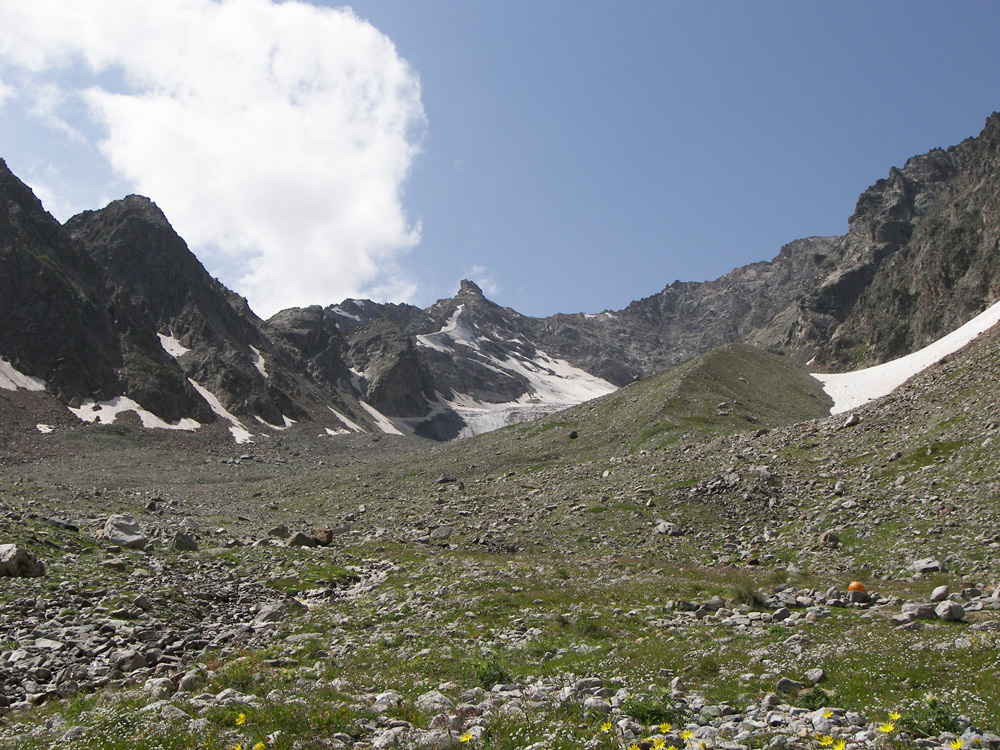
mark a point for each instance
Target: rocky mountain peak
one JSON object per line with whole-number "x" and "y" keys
{"x": 469, "y": 287}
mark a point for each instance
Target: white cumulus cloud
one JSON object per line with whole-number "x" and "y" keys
{"x": 276, "y": 137}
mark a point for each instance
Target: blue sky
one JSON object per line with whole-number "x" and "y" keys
{"x": 569, "y": 156}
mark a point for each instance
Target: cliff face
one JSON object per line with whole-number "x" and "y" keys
{"x": 49, "y": 287}
{"x": 922, "y": 257}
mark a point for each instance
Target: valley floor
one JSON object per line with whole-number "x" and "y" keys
{"x": 572, "y": 582}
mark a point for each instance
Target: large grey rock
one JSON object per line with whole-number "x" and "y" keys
{"x": 950, "y": 611}
{"x": 125, "y": 532}
{"x": 185, "y": 542}
{"x": 927, "y": 565}
{"x": 159, "y": 688}
{"x": 386, "y": 701}
{"x": 434, "y": 702}
{"x": 919, "y": 611}
{"x": 17, "y": 562}
{"x": 278, "y": 611}
{"x": 939, "y": 594}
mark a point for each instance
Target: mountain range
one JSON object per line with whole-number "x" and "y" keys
{"x": 110, "y": 317}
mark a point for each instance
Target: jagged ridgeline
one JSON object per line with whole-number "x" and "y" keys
{"x": 119, "y": 320}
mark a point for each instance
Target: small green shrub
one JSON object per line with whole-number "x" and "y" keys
{"x": 655, "y": 708}
{"x": 490, "y": 672}
{"x": 929, "y": 719}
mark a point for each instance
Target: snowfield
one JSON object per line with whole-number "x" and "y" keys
{"x": 106, "y": 412}
{"x": 850, "y": 390}
{"x": 11, "y": 379}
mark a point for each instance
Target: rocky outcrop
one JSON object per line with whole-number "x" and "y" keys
{"x": 920, "y": 259}
{"x": 51, "y": 289}
{"x": 391, "y": 377}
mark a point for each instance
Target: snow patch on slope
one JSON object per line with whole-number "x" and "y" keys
{"x": 258, "y": 361}
{"x": 11, "y": 379}
{"x": 172, "y": 346}
{"x": 107, "y": 411}
{"x": 454, "y": 331}
{"x": 240, "y": 433}
{"x": 384, "y": 423}
{"x": 852, "y": 389}
{"x": 351, "y": 425}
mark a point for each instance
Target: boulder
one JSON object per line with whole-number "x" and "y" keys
{"x": 278, "y": 611}
{"x": 125, "y": 532}
{"x": 434, "y": 702}
{"x": 184, "y": 542}
{"x": 918, "y": 611}
{"x": 927, "y": 565}
{"x": 950, "y": 611}
{"x": 670, "y": 529}
{"x": 17, "y": 562}
{"x": 300, "y": 539}
{"x": 939, "y": 594}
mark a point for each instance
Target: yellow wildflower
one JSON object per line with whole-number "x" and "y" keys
{"x": 887, "y": 728}
{"x": 241, "y": 719}
{"x": 659, "y": 743}
{"x": 686, "y": 734}
{"x": 606, "y": 726}
{"x": 828, "y": 714}
{"x": 840, "y": 744}
{"x": 895, "y": 716}
{"x": 956, "y": 744}
{"x": 466, "y": 737}
{"x": 825, "y": 740}
{"x": 260, "y": 746}
{"x": 634, "y": 746}
{"x": 665, "y": 727}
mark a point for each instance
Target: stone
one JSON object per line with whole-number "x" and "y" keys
{"x": 928, "y": 565}
{"x": 441, "y": 532}
{"x": 668, "y": 528}
{"x": 939, "y": 594}
{"x": 786, "y": 685}
{"x": 172, "y": 713}
{"x": 950, "y": 611}
{"x": 323, "y": 537}
{"x": 128, "y": 660}
{"x": 301, "y": 539}
{"x": 387, "y": 701}
{"x": 434, "y": 702}
{"x": 815, "y": 676}
{"x": 597, "y": 705}
{"x": 278, "y": 611}
{"x": 159, "y": 688}
{"x": 919, "y": 611}
{"x": 17, "y": 562}
{"x": 184, "y": 542}
{"x": 125, "y": 532}
{"x": 280, "y": 531}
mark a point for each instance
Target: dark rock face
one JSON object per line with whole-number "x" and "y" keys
{"x": 922, "y": 257}
{"x": 392, "y": 380}
{"x": 133, "y": 241}
{"x": 50, "y": 288}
